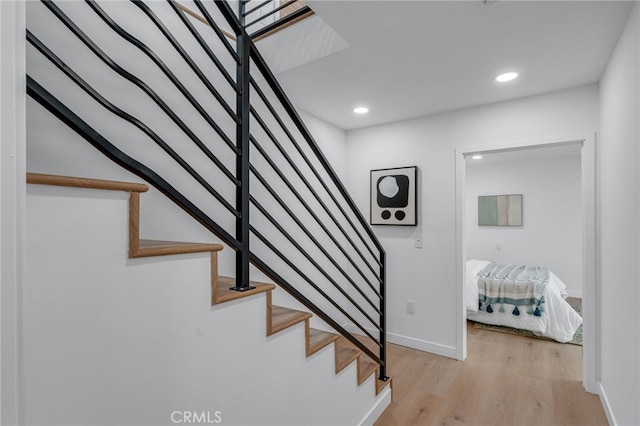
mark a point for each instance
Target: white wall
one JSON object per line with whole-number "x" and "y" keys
{"x": 551, "y": 233}
{"x": 331, "y": 139}
{"x": 428, "y": 275}
{"x": 619, "y": 183}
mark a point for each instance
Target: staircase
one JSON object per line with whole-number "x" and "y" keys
{"x": 176, "y": 94}
{"x": 278, "y": 318}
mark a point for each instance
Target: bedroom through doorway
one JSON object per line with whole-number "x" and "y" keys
{"x": 529, "y": 205}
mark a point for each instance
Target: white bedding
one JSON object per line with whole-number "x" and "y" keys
{"x": 559, "y": 321}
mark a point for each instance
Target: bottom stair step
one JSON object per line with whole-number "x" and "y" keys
{"x": 381, "y": 384}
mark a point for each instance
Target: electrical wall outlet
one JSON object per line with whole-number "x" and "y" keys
{"x": 418, "y": 242}
{"x": 411, "y": 307}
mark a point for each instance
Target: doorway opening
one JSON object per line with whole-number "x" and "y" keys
{"x": 543, "y": 231}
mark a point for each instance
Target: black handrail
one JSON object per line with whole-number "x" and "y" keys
{"x": 356, "y": 244}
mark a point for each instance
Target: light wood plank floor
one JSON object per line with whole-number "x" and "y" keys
{"x": 506, "y": 380}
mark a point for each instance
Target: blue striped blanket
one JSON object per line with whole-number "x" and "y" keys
{"x": 510, "y": 284}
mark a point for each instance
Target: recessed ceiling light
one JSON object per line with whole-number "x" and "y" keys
{"x": 361, "y": 110}
{"x": 508, "y": 76}
{"x": 476, "y": 157}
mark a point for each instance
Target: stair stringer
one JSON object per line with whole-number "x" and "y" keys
{"x": 112, "y": 340}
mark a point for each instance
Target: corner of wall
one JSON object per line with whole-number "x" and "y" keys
{"x": 12, "y": 201}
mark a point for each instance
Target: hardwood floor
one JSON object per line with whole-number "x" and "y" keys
{"x": 506, "y": 380}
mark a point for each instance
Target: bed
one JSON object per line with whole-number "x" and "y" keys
{"x": 550, "y": 316}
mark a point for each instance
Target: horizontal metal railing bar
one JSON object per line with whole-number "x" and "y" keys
{"x": 310, "y": 259}
{"x": 282, "y": 22}
{"x": 291, "y": 111}
{"x": 68, "y": 117}
{"x": 139, "y": 83}
{"x": 228, "y": 14}
{"x": 297, "y": 270}
{"x": 167, "y": 34}
{"x": 304, "y": 179}
{"x": 276, "y": 197}
{"x": 277, "y": 9}
{"x": 207, "y": 49}
{"x": 33, "y": 40}
{"x": 253, "y": 9}
{"x": 230, "y": 19}
{"x": 176, "y": 82}
{"x": 315, "y": 216}
{"x": 199, "y": 17}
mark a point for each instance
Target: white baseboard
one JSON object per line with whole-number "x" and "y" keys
{"x": 410, "y": 342}
{"x": 423, "y": 345}
{"x": 383, "y": 401}
{"x": 606, "y": 406}
{"x": 575, "y": 293}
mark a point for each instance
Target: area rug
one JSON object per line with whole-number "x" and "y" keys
{"x": 577, "y": 338}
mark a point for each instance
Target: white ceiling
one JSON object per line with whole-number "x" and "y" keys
{"x": 407, "y": 59}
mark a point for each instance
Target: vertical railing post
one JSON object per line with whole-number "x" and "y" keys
{"x": 383, "y": 321}
{"x": 242, "y": 159}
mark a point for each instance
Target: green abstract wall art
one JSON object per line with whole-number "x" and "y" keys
{"x": 500, "y": 210}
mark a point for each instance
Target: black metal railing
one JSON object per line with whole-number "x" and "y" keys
{"x": 252, "y": 174}
{"x": 263, "y": 17}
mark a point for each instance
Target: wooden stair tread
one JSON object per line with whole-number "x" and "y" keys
{"x": 87, "y": 183}
{"x": 280, "y": 318}
{"x": 345, "y": 355}
{"x": 222, "y": 292}
{"x": 318, "y": 339}
{"x": 366, "y": 368}
{"x": 148, "y": 248}
{"x": 381, "y": 384}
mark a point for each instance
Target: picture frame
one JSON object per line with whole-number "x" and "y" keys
{"x": 394, "y": 196}
{"x": 500, "y": 210}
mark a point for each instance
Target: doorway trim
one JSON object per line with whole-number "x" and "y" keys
{"x": 590, "y": 262}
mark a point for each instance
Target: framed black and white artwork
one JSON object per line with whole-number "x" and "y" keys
{"x": 394, "y": 196}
